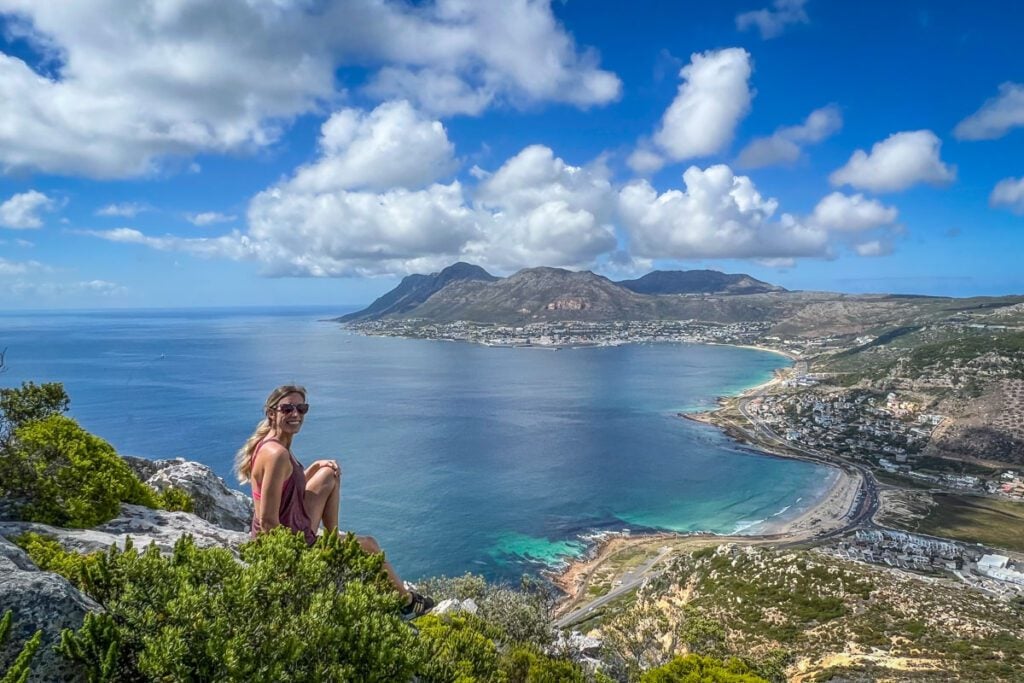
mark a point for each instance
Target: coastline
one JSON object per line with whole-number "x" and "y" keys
{"x": 827, "y": 512}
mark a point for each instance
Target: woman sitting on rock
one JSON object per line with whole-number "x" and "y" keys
{"x": 301, "y": 499}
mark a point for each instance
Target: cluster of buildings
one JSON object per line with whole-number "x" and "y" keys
{"x": 856, "y": 423}
{"x": 578, "y": 333}
{"x": 995, "y": 574}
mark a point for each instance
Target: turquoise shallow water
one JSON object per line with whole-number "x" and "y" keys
{"x": 456, "y": 457}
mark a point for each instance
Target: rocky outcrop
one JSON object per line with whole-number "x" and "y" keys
{"x": 213, "y": 500}
{"x": 39, "y": 600}
{"x": 145, "y": 526}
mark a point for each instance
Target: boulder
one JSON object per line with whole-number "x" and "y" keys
{"x": 451, "y": 606}
{"x": 213, "y": 500}
{"x": 39, "y": 600}
{"x": 143, "y": 524}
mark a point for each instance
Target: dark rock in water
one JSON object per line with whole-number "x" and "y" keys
{"x": 39, "y": 600}
{"x": 213, "y": 500}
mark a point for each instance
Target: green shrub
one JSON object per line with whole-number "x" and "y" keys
{"x": 526, "y": 664}
{"x": 68, "y": 476}
{"x": 29, "y": 403}
{"x": 288, "y": 612}
{"x": 520, "y": 616}
{"x": 48, "y": 555}
{"x": 457, "y": 649}
{"x": 698, "y": 669}
{"x": 174, "y": 499}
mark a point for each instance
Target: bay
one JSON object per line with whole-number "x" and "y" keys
{"x": 456, "y": 457}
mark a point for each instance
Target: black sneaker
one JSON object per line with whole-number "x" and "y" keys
{"x": 417, "y": 606}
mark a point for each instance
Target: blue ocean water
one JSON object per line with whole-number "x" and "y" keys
{"x": 456, "y": 457}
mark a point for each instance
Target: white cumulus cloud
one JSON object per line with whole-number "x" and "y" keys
{"x": 392, "y": 146}
{"x": 8, "y": 267}
{"x": 996, "y": 117}
{"x": 719, "y": 215}
{"x": 896, "y": 163}
{"x": 713, "y": 97}
{"x": 133, "y": 85}
{"x": 21, "y": 212}
{"x": 1008, "y": 193}
{"x": 873, "y": 248}
{"x": 122, "y": 210}
{"x": 205, "y": 218}
{"x": 772, "y": 22}
{"x": 844, "y": 213}
{"x": 784, "y": 145}
{"x": 538, "y": 210}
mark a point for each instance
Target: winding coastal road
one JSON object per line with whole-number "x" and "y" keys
{"x": 629, "y": 581}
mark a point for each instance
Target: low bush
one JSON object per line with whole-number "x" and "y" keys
{"x": 55, "y": 472}
{"x": 698, "y": 669}
{"x": 287, "y": 612}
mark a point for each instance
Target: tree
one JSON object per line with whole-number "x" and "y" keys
{"x": 65, "y": 476}
{"x": 30, "y": 402}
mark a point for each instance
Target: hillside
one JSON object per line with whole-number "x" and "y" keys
{"x": 697, "y": 282}
{"x": 825, "y": 618}
{"x": 413, "y": 290}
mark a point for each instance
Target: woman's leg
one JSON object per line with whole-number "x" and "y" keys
{"x": 369, "y": 545}
{"x": 323, "y": 493}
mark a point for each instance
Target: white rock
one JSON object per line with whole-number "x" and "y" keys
{"x": 453, "y": 606}
{"x": 213, "y": 500}
{"x": 144, "y": 525}
{"x": 446, "y": 606}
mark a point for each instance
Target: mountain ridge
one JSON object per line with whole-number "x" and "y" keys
{"x": 467, "y": 292}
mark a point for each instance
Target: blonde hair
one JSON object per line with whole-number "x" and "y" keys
{"x": 243, "y": 458}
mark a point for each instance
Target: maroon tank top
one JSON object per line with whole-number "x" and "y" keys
{"x": 292, "y": 513}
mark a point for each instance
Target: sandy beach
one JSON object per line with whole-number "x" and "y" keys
{"x": 828, "y": 512}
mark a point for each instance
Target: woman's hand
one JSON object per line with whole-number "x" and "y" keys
{"x": 319, "y": 464}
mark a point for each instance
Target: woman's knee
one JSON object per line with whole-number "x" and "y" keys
{"x": 369, "y": 544}
{"x": 326, "y": 479}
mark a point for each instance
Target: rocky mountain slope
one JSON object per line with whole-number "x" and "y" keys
{"x": 697, "y": 282}
{"x": 413, "y": 290}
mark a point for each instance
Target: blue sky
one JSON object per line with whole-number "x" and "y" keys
{"x": 231, "y": 152}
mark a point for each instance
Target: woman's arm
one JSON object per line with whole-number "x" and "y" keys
{"x": 277, "y": 468}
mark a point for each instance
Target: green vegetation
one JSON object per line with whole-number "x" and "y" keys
{"x": 771, "y": 610}
{"x": 289, "y": 612}
{"x": 56, "y": 472}
{"x": 975, "y": 519}
{"x": 698, "y": 669}
{"x": 19, "y": 670}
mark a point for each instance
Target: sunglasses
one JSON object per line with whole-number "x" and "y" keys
{"x": 289, "y": 408}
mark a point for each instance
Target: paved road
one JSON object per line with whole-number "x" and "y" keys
{"x": 629, "y": 581}
{"x": 867, "y": 501}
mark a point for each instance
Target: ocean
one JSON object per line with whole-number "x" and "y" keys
{"x": 456, "y": 457}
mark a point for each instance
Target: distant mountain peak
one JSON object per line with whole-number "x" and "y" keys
{"x": 415, "y": 289}
{"x": 698, "y": 282}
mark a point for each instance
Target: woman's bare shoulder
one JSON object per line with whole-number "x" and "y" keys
{"x": 273, "y": 453}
